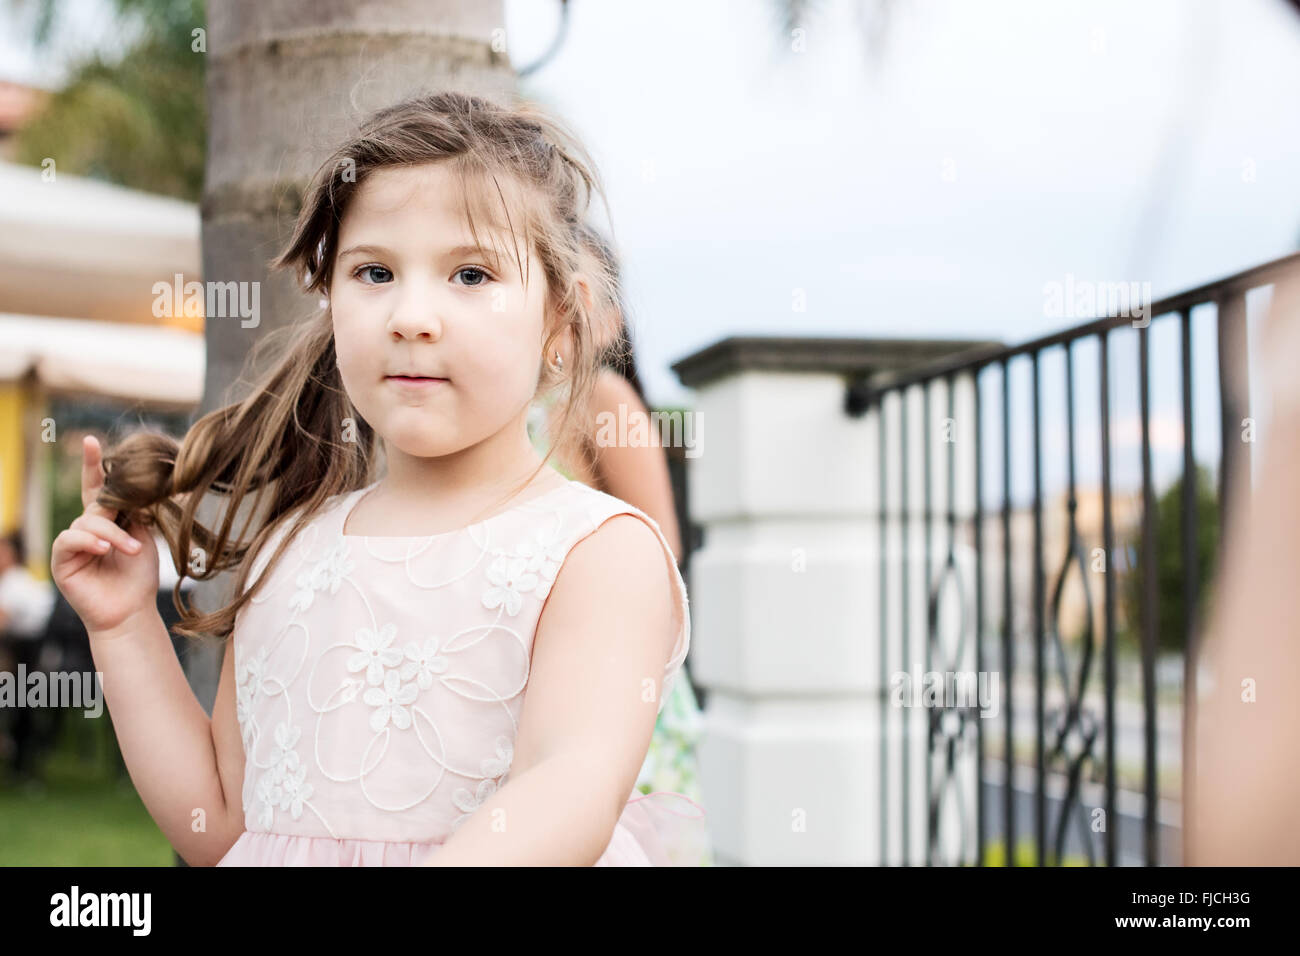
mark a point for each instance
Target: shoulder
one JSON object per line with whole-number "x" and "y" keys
{"x": 619, "y": 550}
{"x": 613, "y": 525}
{"x": 622, "y": 543}
{"x": 612, "y": 390}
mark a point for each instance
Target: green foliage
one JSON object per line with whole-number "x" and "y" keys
{"x": 139, "y": 121}
{"x": 995, "y": 854}
{"x": 1171, "y": 623}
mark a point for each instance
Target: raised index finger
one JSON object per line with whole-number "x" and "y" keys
{"x": 92, "y": 477}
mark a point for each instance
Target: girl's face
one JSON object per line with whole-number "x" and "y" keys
{"x": 411, "y": 296}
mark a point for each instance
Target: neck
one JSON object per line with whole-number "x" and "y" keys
{"x": 499, "y": 465}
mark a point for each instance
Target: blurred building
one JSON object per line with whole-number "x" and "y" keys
{"x": 79, "y": 263}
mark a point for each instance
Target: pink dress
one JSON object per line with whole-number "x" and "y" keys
{"x": 380, "y": 680}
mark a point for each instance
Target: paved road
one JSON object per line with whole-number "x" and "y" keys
{"x": 1130, "y": 839}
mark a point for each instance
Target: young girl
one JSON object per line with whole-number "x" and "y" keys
{"x": 457, "y": 658}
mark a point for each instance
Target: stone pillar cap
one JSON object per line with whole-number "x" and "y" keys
{"x": 851, "y": 357}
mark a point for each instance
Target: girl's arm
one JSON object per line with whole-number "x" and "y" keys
{"x": 168, "y": 743}
{"x": 606, "y": 632}
{"x": 109, "y": 575}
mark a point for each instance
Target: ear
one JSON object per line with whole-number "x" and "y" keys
{"x": 564, "y": 345}
{"x": 564, "y": 341}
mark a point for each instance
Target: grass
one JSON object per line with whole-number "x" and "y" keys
{"x": 995, "y": 852}
{"x": 83, "y": 814}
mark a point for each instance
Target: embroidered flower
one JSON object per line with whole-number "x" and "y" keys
{"x": 329, "y": 574}
{"x": 302, "y": 598}
{"x": 295, "y": 791}
{"x": 268, "y": 795}
{"x": 283, "y": 782}
{"x": 492, "y": 767}
{"x": 544, "y": 554}
{"x": 284, "y": 759}
{"x": 511, "y": 579}
{"x": 324, "y": 575}
{"x": 248, "y": 681}
{"x": 244, "y": 707}
{"x": 469, "y": 802}
{"x": 424, "y": 661}
{"x": 390, "y": 703}
{"x": 505, "y": 754}
{"x": 252, "y": 669}
{"x": 375, "y": 654}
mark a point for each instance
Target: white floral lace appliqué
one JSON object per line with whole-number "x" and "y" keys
{"x": 544, "y": 553}
{"x": 391, "y": 702}
{"x": 531, "y": 569}
{"x": 494, "y": 768}
{"x": 284, "y": 782}
{"x": 248, "y": 681}
{"x": 376, "y": 654}
{"x": 324, "y": 575}
{"x": 509, "y": 580}
{"x": 424, "y": 661}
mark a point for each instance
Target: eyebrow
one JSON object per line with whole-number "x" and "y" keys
{"x": 455, "y": 252}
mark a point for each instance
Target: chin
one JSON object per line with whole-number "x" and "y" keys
{"x": 422, "y": 444}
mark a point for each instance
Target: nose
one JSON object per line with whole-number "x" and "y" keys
{"x": 416, "y": 313}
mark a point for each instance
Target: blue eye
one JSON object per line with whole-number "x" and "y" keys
{"x": 358, "y": 272}
{"x": 486, "y": 278}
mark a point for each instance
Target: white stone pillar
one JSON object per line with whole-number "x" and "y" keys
{"x": 785, "y": 588}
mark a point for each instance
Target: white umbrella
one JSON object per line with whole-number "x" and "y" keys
{"x": 80, "y": 247}
{"x": 157, "y": 366}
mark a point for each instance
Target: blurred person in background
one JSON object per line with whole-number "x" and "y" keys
{"x": 25, "y": 606}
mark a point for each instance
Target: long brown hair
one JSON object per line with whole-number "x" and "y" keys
{"x": 618, "y": 355}
{"x": 296, "y": 440}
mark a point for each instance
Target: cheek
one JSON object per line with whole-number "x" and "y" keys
{"x": 353, "y": 356}
{"x": 509, "y": 361}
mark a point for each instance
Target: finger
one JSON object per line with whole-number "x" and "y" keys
{"x": 108, "y": 529}
{"x": 93, "y": 482}
{"x": 102, "y": 527}
{"x": 92, "y": 476}
{"x": 76, "y": 541}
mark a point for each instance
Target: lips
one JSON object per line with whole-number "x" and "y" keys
{"x": 412, "y": 385}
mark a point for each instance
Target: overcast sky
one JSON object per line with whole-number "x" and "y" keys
{"x": 929, "y": 185}
{"x": 994, "y": 148}
{"x": 935, "y": 186}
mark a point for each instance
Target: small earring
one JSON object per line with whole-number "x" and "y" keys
{"x": 559, "y": 362}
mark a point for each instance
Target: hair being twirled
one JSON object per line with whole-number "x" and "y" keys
{"x": 275, "y": 457}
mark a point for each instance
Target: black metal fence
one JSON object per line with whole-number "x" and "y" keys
{"x": 1073, "y": 736}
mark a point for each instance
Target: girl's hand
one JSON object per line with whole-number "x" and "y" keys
{"x": 108, "y": 574}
